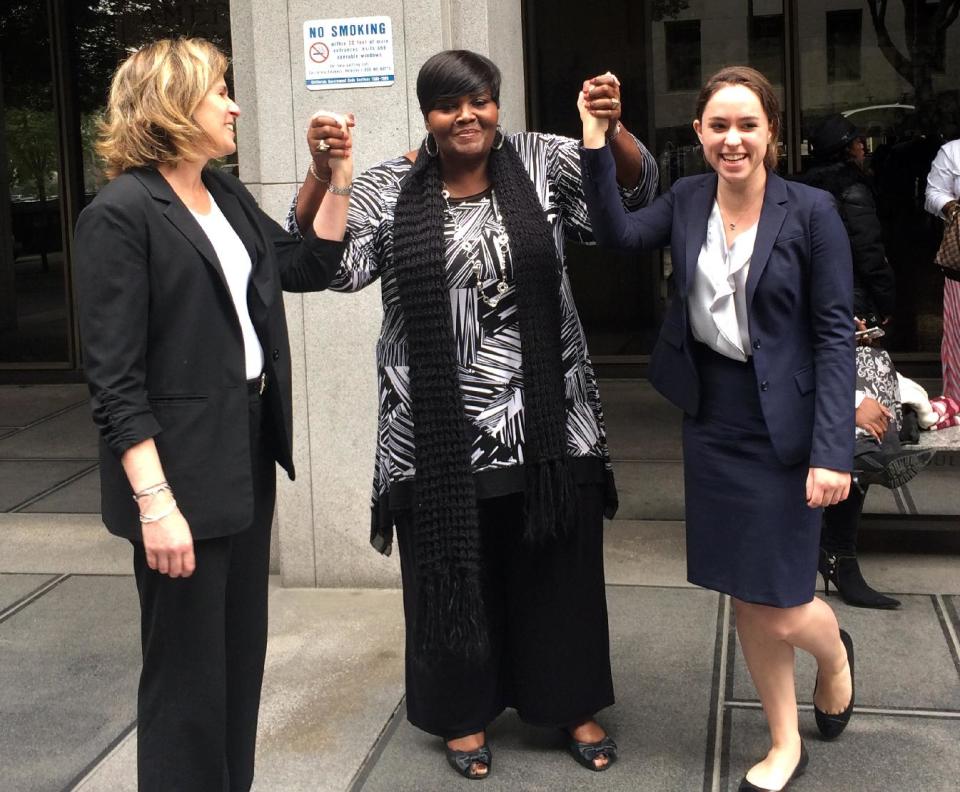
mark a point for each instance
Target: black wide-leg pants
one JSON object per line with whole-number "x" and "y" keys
{"x": 204, "y": 641}
{"x": 547, "y": 614}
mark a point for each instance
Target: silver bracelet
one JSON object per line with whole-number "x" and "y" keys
{"x": 616, "y": 131}
{"x": 146, "y": 519}
{"x": 155, "y": 489}
{"x": 332, "y": 188}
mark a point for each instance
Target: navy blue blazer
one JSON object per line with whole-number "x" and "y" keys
{"x": 799, "y": 303}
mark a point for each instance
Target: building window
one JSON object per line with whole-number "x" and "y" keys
{"x": 844, "y": 35}
{"x": 683, "y": 55}
{"x": 766, "y": 46}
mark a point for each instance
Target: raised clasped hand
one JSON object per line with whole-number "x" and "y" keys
{"x": 601, "y": 97}
{"x": 594, "y": 129}
{"x": 599, "y": 105}
{"x": 826, "y": 487}
{"x": 329, "y": 138}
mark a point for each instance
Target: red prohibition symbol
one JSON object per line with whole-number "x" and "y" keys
{"x": 319, "y": 52}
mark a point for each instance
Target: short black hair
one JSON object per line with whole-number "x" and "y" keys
{"x": 454, "y": 73}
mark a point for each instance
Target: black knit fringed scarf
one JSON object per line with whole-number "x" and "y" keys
{"x": 449, "y": 613}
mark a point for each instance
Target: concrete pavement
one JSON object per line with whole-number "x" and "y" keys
{"x": 332, "y": 715}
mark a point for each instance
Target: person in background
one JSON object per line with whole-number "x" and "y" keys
{"x": 840, "y": 151}
{"x": 757, "y": 349}
{"x": 179, "y": 276}
{"x": 942, "y": 196}
{"x": 492, "y": 460}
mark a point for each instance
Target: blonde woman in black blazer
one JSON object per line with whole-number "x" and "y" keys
{"x": 180, "y": 278}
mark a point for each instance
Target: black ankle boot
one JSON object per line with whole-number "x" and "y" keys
{"x": 844, "y": 572}
{"x": 890, "y": 469}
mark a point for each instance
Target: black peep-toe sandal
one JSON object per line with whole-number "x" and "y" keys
{"x": 585, "y": 753}
{"x": 463, "y": 761}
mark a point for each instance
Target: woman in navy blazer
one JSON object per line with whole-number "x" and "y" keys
{"x": 757, "y": 348}
{"x": 179, "y": 278}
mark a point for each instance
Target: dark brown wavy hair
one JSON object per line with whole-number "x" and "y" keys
{"x": 760, "y": 85}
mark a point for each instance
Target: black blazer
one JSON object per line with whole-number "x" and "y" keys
{"x": 162, "y": 346}
{"x": 799, "y": 303}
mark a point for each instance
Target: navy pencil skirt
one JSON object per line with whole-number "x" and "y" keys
{"x": 750, "y": 533}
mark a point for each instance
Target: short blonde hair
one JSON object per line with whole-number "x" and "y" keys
{"x": 153, "y": 96}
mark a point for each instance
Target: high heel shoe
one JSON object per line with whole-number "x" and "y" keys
{"x": 844, "y": 572}
{"x": 746, "y": 786}
{"x": 831, "y": 726}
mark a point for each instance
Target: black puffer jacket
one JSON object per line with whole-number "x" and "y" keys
{"x": 873, "y": 278}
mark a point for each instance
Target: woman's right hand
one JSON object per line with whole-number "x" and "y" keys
{"x": 873, "y": 417}
{"x": 168, "y": 544}
{"x": 329, "y": 139}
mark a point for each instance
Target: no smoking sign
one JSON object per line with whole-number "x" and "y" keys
{"x": 319, "y": 52}
{"x": 354, "y": 52}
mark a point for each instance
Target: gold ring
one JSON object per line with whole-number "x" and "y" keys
{"x": 614, "y": 103}
{"x": 323, "y": 147}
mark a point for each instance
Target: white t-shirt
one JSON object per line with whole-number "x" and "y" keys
{"x": 236, "y": 265}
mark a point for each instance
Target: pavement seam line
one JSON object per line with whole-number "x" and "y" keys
{"x": 46, "y": 459}
{"x": 34, "y": 595}
{"x": 81, "y": 779}
{"x": 886, "y": 711}
{"x": 44, "y": 418}
{"x": 943, "y": 614}
{"x": 721, "y": 695}
{"x": 379, "y": 746}
{"x": 18, "y": 508}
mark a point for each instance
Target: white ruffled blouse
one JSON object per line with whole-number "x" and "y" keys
{"x": 718, "y": 294}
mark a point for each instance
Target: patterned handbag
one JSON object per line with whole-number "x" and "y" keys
{"x": 948, "y": 256}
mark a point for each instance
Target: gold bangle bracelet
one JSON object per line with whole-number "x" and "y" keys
{"x": 313, "y": 172}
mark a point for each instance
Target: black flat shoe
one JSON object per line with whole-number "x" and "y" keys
{"x": 585, "y": 753}
{"x": 844, "y": 572}
{"x": 746, "y": 786}
{"x": 463, "y": 761}
{"x": 831, "y": 726}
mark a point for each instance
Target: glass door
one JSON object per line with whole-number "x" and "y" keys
{"x": 892, "y": 69}
{"x": 35, "y": 316}
{"x": 662, "y": 50}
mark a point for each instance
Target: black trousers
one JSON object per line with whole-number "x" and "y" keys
{"x": 204, "y": 640}
{"x": 547, "y": 614}
{"x": 838, "y": 533}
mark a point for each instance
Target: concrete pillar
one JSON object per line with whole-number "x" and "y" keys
{"x": 324, "y": 516}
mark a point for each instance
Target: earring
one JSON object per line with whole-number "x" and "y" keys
{"x": 498, "y": 142}
{"x": 426, "y": 145}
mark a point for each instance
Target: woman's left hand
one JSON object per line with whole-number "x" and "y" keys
{"x": 601, "y": 96}
{"x": 826, "y": 487}
{"x": 594, "y": 129}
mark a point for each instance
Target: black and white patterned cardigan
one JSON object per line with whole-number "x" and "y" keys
{"x": 488, "y": 338}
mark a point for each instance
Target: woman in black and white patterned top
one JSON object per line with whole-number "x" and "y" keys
{"x": 492, "y": 461}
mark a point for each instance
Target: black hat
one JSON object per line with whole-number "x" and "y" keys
{"x": 833, "y": 136}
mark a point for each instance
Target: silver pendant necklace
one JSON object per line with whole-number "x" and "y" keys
{"x": 501, "y": 240}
